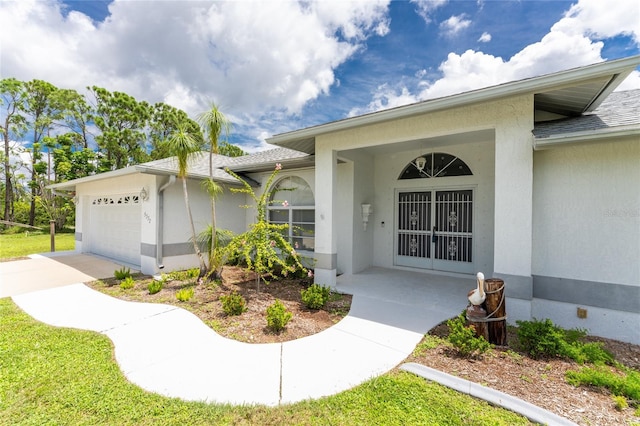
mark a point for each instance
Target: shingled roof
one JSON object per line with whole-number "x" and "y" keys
{"x": 620, "y": 109}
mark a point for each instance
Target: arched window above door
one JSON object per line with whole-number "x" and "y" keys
{"x": 434, "y": 165}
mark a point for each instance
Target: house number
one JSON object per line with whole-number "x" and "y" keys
{"x": 146, "y": 216}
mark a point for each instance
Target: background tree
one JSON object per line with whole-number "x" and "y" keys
{"x": 41, "y": 107}
{"x": 122, "y": 121}
{"x": 230, "y": 150}
{"x": 13, "y": 123}
{"x": 162, "y": 124}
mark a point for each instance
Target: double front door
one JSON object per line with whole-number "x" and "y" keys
{"x": 434, "y": 230}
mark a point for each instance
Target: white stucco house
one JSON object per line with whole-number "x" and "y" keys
{"x": 535, "y": 181}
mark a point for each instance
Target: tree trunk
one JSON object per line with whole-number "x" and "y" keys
{"x": 203, "y": 267}
{"x": 496, "y": 309}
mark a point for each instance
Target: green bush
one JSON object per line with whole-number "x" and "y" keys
{"x": 154, "y": 286}
{"x": 233, "y": 304}
{"x": 541, "y": 338}
{"x": 620, "y": 402}
{"x": 316, "y": 296}
{"x": 627, "y": 385}
{"x": 278, "y": 316}
{"x": 544, "y": 339}
{"x": 127, "y": 283}
{"x": 464, "y": 338}
{"x": 184, "y": 294}
{"x": 122, "y": 273}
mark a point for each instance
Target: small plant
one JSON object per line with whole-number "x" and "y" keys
{"x": 122, "y": 273}
{"x": 233, "y": 304}
{"x": 428, "y": 342}
{"x": 626, "y": 385}
{"x": 278, "y": 316}
{"x": 620, "y": 402}
{"x": 464, "y": 338}
{"x": 184, "y": 275}
{"x": 127, "y": 283}
{"x": 155, "y": 286}
{"x": 316, "y": 296}
{"x": 184, "y": 294}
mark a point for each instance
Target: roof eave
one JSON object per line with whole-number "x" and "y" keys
{"x": 617, "y": 69}
{"x": 586, "y": 136}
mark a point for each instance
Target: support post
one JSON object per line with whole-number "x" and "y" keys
{"x": 52, "y": 233}
{"x": 496, "y": 311}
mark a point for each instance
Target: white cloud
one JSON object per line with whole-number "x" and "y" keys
{"x": 386, "y": 97}
{"x": 454, "y": 25}
{"x": 573, "y": 41}
{"x": 485, "y": 37}
{"x": 252, "y": 57}
{"x": 425, "y": 8}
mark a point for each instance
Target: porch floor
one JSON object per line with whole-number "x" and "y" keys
{"x": 408, "y": 300}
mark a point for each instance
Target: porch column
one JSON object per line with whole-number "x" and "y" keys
{"x": 326, "y": 235}
{"x": 513, "y": 226}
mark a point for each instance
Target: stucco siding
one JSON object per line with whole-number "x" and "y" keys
{"x": 587, "y": 213}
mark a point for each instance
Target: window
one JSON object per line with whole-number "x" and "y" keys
{"x": 292, "y": 203}
{"x": 435, "y": 164}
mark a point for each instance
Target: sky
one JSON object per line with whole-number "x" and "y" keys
{"x": 275, "y": 66}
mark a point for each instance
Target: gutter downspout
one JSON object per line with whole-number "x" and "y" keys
{"x": 160, "y": 227}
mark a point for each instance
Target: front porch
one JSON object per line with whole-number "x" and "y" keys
{"x": 408, "y": 300}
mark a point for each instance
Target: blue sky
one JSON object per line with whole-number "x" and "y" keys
{"x": 275, "y": 66}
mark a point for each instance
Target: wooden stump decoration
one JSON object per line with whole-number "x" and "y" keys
{"x": 495, "y": 304}
{"x": 476, "y": 317}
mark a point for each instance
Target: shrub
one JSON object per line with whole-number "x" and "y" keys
{"x": 316, "y": 296}
{"x": 233, "y": 304}
{"x": 545, "y": 339}
{"x": 278, "y": 316}
{"x": 627, "y": 385}
{"x": 122, "y": 273}
{"x": 154, "y": 286}
{"x": 464, "y": 338}
{"x": 184, "y": 294}
{"x": 127, "y": 283}
{"x": 540, "y": 338}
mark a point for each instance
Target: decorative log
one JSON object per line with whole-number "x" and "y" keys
{"x": 476, "y": 317}
{"x": 495, "y": 304}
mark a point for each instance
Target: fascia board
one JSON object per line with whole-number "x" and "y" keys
{"x": 585, "y": 136}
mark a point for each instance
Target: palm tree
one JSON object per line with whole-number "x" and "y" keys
{"x": 213, "y": 123}
{"x": 183, "y": 143}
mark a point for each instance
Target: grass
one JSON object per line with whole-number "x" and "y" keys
{"x": 52, "y": 375}
{"x": 23, "y": 244}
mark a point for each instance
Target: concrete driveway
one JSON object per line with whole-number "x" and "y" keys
{"x": 40, "y": 272}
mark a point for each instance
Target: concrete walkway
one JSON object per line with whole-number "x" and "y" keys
{"x": 168, "y": 350}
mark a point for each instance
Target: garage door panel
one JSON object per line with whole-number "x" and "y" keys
{"x": 115, "y": 227}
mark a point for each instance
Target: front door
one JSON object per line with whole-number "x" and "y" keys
{"x": 434, "y": 230}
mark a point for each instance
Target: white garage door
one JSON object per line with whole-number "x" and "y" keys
{"x": 115, "y": 227}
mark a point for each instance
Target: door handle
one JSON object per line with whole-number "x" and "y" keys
{"x": 434, "y": 237}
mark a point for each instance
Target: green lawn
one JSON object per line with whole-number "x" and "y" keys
{"x": 56, "y": 376}
{"x": 24, "y": 244}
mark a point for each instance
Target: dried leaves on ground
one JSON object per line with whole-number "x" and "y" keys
{"x": 251, "y": 326}
{"x": 539, "y": 382}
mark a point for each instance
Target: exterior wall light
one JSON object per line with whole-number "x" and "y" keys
{"x": 366, "y": 211}
{"x": 144, "y": 195}
{"x": 420, "y": 163}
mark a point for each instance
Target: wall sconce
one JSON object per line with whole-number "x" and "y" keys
{"x": 144, "y": 194}
{"x": 420, "y": 163}
{"x": 366, "y": 211}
